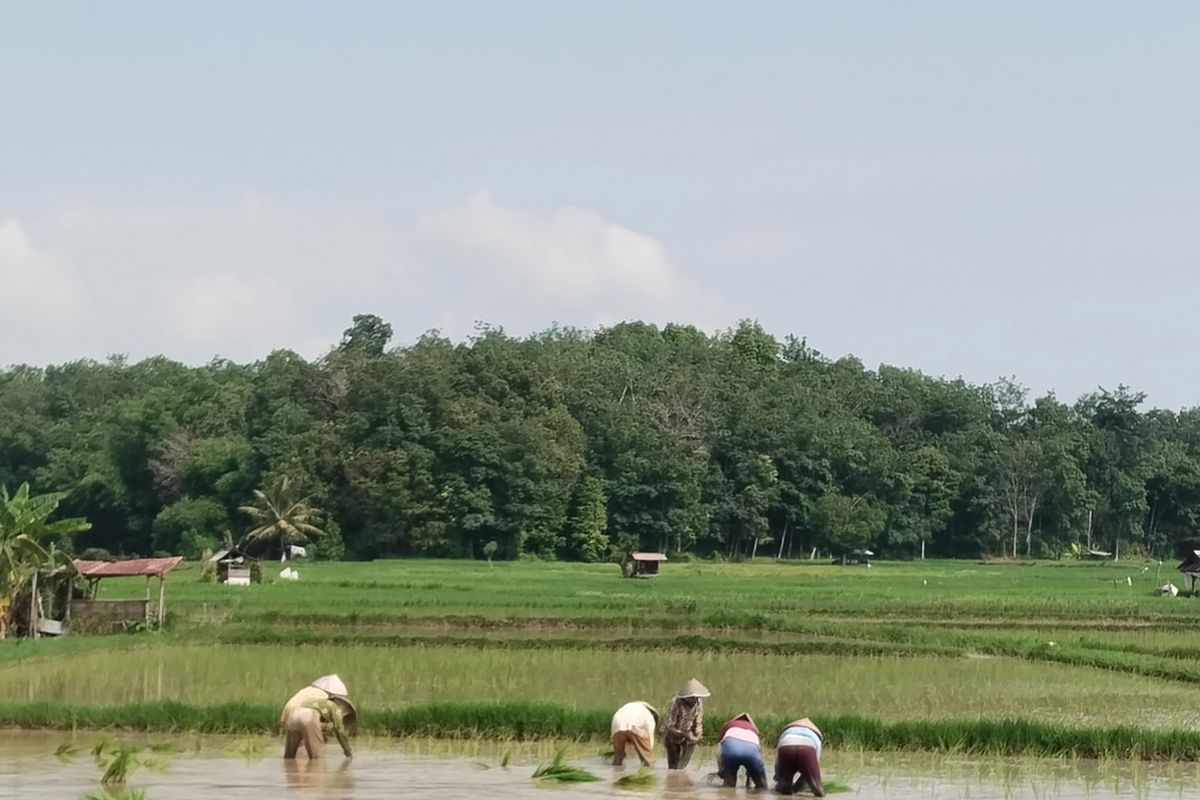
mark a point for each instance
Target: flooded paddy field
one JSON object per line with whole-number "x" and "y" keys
{"x": 210, "y": 767}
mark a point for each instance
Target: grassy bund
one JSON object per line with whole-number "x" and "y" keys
{"x": 1038, "y": 659}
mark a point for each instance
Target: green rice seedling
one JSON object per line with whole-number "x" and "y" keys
{"x": 99, "y": 749}
{"x": 834, "y": 786}
{"x": 644, "y": 778}
{"x": 506, "y": 758}
{"x": 249, "y": 748}
{"x": 122, "y": 762}
{"x": 559, "y": 770}
{"x": 66, "y": 752}
{"x": 117, "y": 794}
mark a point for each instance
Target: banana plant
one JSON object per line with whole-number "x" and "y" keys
{"x": 28, "y": 540}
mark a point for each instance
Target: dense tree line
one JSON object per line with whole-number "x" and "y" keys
{"x": 567, "y": 444}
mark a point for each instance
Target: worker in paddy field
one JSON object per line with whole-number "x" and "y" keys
{"x": 737, "y": 747}
{"x": 633, "y": 724}
{"x": 685, "y": 724}
{"x": 315, "y": 711}
{"x": 798, "y": 758}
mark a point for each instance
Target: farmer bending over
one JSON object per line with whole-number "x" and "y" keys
{"x": 798, "y": 756}
{"x": 313, "y": 713}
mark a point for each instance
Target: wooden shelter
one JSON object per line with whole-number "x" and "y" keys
{"x": 121, "y": 611}
{"x": 233, "y": 566}
{"x": 859, "y": 555}
{"x": 1191, "y": 567}
{"x": 645, "y": 565}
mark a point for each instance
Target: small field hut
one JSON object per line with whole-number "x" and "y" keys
{"x": 860, "y": 555}
{"x": 645, "y": 565}
{"x": 1191, "y": 567}
{"x": 233, "y": 566}
{"x": 101, "y": 615}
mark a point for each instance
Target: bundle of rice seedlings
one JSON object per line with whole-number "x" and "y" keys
{"x": 642, "y": 779}
{"x": 836, "y": 787}
{"x": 66, "y": 752}
{"x": 559, "y": 770}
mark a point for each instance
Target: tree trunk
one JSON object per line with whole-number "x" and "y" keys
{"x": 782, "y": 539}
{"x": 33, "y": 608}
{"x": 1029, "y": 535}
{"x": 754, "y": 550}
{"x": 922, "y": 549}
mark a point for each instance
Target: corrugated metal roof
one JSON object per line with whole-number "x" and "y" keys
{"x": 135, "y": 567}
{"x": 649, "y": 557}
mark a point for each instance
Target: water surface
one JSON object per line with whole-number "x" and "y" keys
{"x": 206, "y": 768}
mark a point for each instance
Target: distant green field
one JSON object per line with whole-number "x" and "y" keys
{"x": 760, "y": 595}
{"x": 1075, "y": 644}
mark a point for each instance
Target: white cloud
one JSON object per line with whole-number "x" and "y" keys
{"x": 36, "y": 289}
{"x": 240, "y": 279}
{"x": 222, "y": 307}
{"x": 571, "y": 255}
{"x": 505, "y": 265}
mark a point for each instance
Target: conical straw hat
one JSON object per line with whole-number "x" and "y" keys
{"x": 693, "y": 688}
{"x": 805, "y": 723}
{"x": 349, "y": 712}
{"x": 332, "y": 684}
{"x": 746, "y": 716}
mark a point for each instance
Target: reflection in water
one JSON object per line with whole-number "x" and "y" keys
{"x": 318, "y": 773}
{"x": 450, "y": 771}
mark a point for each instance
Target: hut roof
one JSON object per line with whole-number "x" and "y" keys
{"x": 649, "y": 557}
{"x": 228, "y": 554}
{"x": 135, "y": 567}
{"x": 1191, "y": 564}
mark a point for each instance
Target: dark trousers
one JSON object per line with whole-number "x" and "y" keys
{"x": 679, "y": 753}
{"x": 796, "y": 765}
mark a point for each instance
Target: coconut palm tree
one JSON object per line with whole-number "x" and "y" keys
{"x": 278, "y": 514}
{"x": 27, "y": 540}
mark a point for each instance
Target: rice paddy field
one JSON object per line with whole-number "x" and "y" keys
{"x": 980, "y": 661}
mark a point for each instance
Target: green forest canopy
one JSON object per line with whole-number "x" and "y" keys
{"x": 559, "y": 444}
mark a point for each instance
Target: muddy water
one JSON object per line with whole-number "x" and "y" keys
{"x": 420, "y": 769}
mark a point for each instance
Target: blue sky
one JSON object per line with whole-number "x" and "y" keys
{"x": 969, "y": 188}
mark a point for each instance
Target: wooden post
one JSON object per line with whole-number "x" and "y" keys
{"x": 70, "y": 597}
{"x": 147, "y": 599}
{"x": 162, "y": 581}
{"x": 33, "y": 608}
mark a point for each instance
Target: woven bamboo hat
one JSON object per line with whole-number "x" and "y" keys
{"x": 349, "y": 712}
{"x": 331, "y": 684}
{"x": 693, "y": 688}
{"x": 744, "y": 715}
{"x": 805, "y": 723}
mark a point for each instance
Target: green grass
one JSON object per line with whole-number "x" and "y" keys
{"x": 910, "y": 687}
{"x": 533, "y": 721}
{"x": 698, "y": 592}
{"x": 1068, "y": 646}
